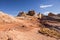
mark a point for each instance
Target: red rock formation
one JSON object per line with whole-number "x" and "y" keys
{"x": 51, "y": 14}
{"x": 12, "y": 28}
{"x": 31, "y": 13}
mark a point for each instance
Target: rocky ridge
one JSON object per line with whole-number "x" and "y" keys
{"x": 23, "y": 28}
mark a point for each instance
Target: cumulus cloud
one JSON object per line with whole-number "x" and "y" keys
{"x": 46, "y": 13}
{"x": 45, "y": 6}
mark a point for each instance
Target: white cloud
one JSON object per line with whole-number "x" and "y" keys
{"x": 46, "y": 13}
{"x": 45, "y": 6}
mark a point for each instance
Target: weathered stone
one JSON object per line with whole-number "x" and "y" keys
{"x": 51, "y": 14}
{"x": 40, "y": 15}
{"x": 31, "y": 13}
{"x": 20, "y": 13}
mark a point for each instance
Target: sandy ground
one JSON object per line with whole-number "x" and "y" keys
{"x": 27, "y": 35}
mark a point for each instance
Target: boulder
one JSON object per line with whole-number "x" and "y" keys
{"x": 21, "y": 14}
{"x": 31, "y": 13}
{"x": 40, "y": 15}
{"x": 51, "y": 14}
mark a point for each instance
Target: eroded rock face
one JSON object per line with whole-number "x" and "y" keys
{"x": 31, "y": 13}
{"x": 27, "y": 35}
{"x": 51, "y": 14}
{"x": 7, "y": 18}
{"x": 20, "y": 14}
{"x": 40, "y": 15}
{"x": 21, "y": 29}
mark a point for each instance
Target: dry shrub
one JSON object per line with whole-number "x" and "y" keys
{"x": 50, "y": 32}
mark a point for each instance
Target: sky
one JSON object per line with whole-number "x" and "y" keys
{"x": 13, "y": 7}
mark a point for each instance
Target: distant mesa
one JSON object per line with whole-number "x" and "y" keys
{"x": 58, "y": 14}
{"x": 51, "y": 14}
{"x": 30, "y": 13}
{"x": 33, "y": 13}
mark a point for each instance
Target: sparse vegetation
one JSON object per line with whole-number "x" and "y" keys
{"x": 50, "y": 32}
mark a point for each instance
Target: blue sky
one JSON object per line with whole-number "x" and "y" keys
{"x": 12, "y": 7}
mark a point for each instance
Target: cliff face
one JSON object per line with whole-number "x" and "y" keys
{"x": 19, "y": 28}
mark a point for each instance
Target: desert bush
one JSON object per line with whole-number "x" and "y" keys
{"x": 50, "y": 32}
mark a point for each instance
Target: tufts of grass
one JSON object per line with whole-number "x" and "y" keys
{"x": 50, "y": 32}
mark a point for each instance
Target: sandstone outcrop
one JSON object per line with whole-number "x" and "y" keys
{"x": 31, "y": 13}
{"x": 27, "y": 28}
{"x": 51, "y": 14}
